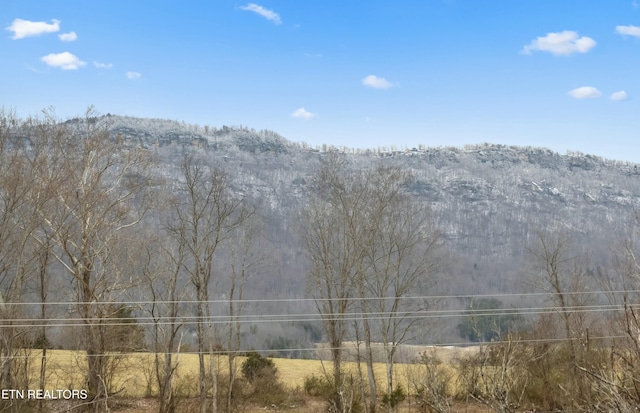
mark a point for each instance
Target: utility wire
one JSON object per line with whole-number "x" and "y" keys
{"x": 313, "y": 300}
{"x": 289, "y": 318}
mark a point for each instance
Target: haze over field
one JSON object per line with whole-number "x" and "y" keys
{"x": 561, "y": 75}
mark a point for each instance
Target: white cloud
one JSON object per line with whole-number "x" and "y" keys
{"x": 376, "y": 82}
{"x": 101, "y": 65}
{"x": 560, "y": 44}
{"x": 133, "y": 75}
{"x": 68, "y": 37}
{"x": 635, "y": 4}
{"x": 26, "y": 28}
{"x": 267, "y": 14}
{"x": 628, "y": 30}
{"x": 619, "y": 96}
{"x": 302, "y": 113}
{"x": 64, "y": 60}
{"x": 585, "y": 92}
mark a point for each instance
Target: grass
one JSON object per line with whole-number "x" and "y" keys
{"x": 134, "y": 381}
{"x": 134, "y": 374}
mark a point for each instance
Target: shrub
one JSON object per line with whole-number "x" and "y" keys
{"x": 430, "y": 381}
{"x": 317, "y": 386}
{"x": 42, "y": 341}
{"x": 261, "y": 373}
{"x": 395, "y": 398}
{"x": 346, "y": 399}
{"x": 256, "y": 366}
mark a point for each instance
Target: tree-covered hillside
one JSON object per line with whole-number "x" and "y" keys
{"x": 125, "y": 234}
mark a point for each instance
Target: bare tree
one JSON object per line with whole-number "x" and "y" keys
{"x": 16, "y": 227}
{"x": 12, "y": 197}
{"x": 166, "y": 294}
{"x": 402, "y": 260}
{"x": 496, "y": 374}
{"x": 244, "y": 257}
{"x": 99, "y": 199}
{"x": 373, "y": 246}
{"x": 562, "y": 273}
{"x": 430, "y": 382}
{"x": 616, "y": 379}
{"x": 336, "y": 256}
{"x": 42, "y": 282}
{"x": 206, "y": 215}
{"x": 25, "y": 188}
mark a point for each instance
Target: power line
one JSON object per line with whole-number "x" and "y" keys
{"x": 397, "y": 313}
{"x": 307, "y": 317}
{"x": 313, "y": 300}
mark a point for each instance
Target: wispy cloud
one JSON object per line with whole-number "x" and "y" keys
{"x": 635, "y": 4}
{"x": 26, "y": 28}
{"x": 68, "y": 37}
{"x": 101, "y": 65}
{"x": 133, "y": 75}
{"x": 628, "y": 30}
{"x": 585, "y": 92}
{"x": 619, "y": 96}
{"x": 266, "y": 13}
{"x": 302, "y": 113}
{"x": 376, "y": 82}
{"x": 64, "y": 61}
{"x": 560, "y": 44}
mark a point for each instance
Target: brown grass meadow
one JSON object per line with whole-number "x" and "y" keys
{"x": 134, "y": 372}
{"x": 134, "y": 377}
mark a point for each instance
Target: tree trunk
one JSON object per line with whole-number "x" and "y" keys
{"x": 201, "y": 356}
{"x": 373, "y": 390}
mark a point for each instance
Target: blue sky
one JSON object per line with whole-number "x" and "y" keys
{"x": 555, "y": 73}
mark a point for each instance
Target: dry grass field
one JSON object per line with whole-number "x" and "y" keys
{"x": 134, "y": 384}
{"x": 134, "y": 374}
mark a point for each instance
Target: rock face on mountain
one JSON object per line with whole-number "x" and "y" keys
{"x": 488, "y": 200}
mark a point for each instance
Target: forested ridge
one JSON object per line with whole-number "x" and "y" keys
{"x": 121, "y": 234}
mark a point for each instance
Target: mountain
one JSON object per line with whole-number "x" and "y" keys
{"x": 489, "y": 201}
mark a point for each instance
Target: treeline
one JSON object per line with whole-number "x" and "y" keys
{"x": 374, "y": 247}
{"x": 77, "y": 203}
{"x": 579, "y": 351}
{"x": 126, "y": 254}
